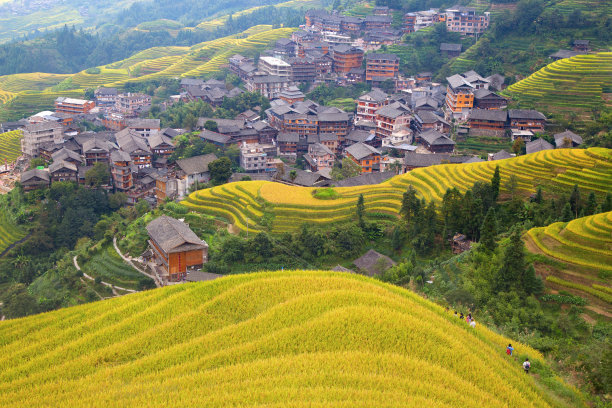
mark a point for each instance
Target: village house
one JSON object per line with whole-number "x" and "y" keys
{"x": 105, "y": 96}
{"x": 484, "y": 122}
{"x": 35, "y": 179}
{"x": 37, "y": 134}
{"x": 436, "y": 142}
{"x": 274, "y": 66}
{"x": 501, "y": 155}
{"x": 131, "y": 103}
{"x": 459, "y": 96}
{"x": 466, "y": 21}
{"x": 414, "y": 160}
{"x": 319, "y": 157}
{"x": 373, "y": 263}
{"x": 73, "y": 106}
{"x": 67, "y": 155}
{"x": 121, "y": 170}
{"x": 63, "y": 171}
{"x": 581, "y": 46}
{"x": 345, "y": 58}
{"x": 392, "y": 118}
{"x": 369, "y": 103}
{"x": 292, "y": 95}
{"x": 268, "y": 85}
{"x": 527, "y": 119}
{"x": 302, "y": 69}
{"x": 253, "y": 159}
{"x": 537, "y": 146}
{"x": 365, "y": 156}
{"x": 425, "y": 120}
{"x": 144, "y": 127}
{"x": 161, "y": 145}
{"x": 215, "y": 138}
{"x": 136, "y": 146}
{"x": 450, "y": 50}
{"x": 420, "y": 19}
{"x": 380, "y": 67}
{"x": 487, "y": 99}
{"x": 114, "y": 121}
{"x": 287, "y": 143}
{"x": 567, "y": 139}
{"x": 195, "y": 169}
{"x": 175, "y": 247}
{"x": 96, "y": 150}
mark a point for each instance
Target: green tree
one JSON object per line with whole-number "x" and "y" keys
{"x": 220, "y": 171}
{"x": 18, "y": 302}
{"x": 348, "y": 169}
{"x": 517, "y": 146}
{"x": 410, "y": 205}
{"x": 360, "y": 211}
{"x": 488, "y": 231}
{"x": 495, "y": 183}
{"x": 117, "y": 200}
{"x": 607, "y": 204}
{"x": 293, "y": 175}
{"x": 513, "y": 265}
{"x": 575, "y": 202}
{"x": 211, "y": 125}
{"x": 591, "y": 205}
{"x": 98, "y": 175}
{"x": 36, "y": 162}
{"x": 567, "y": 214}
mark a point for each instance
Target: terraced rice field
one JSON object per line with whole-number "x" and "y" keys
{"x": 585, "y": 245}
{"x": 556, "y": 171}
{"x": 10, "y": 146}
{"x": 282, "y": 339}
{"x": 9, "y": 233}
{"x": 571, "y": 83}
{"x": 24, "y": 94}
{"x": 109, "y": 266}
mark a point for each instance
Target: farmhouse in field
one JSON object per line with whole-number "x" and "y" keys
{"x": 373, "y": 263}
{"x": 175, "y": 247}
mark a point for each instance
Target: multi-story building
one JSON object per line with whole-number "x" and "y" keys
{"x": 302, "y": 69}
{"x": 369, "y": 103}
{"x": 96, "y": 150}
{"x": 319, "y": 157}
{"x": 253, "y": 159}
{"x": 161, "y": 145}
{"x": 377, "y": 23}
{"x": 175, "y": 248}
{"x": 268, "y": 85}
{"x": 144, "y": 127}
{"x": 365, "y": 156}
{"x": 114, "y": 121}
{"x": 391, "y": 119}
{"x": 136, "y": 146}
{"x": 287, "y": 143}
{"x": 425, "y": 120}
{"x": 459, "y": 97}
{"x": 483, "y": 122}
{"x": 333, "y": 120}
{"x": 351, "y": 25}
{"x": 464, "y": 20}
{"x": 486, "y": 99}
{"x": 105, "y": 96}
{"x": 346, "y": 57}
{"x": 420, "y": 19}
{"x": 274, "y": 66}
{"x": 130, "y": 103}
{"x": 63, "y": 171}
{"x": 526, "y": 119}
{"x": 291, "y": 95}
{"x": 285, "y": 47}
{"x": 380, "y": 67}
{"x": 73, "y": 106}
{"x": 37, "y": 134}
{"x": 121, "y": 170}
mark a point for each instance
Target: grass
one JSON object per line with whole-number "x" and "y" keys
{"x": 325, "y": 194}
{"x": 483, "y": 144}
{"x": 247, "y": 201}
{"x": 267, "y": 339}
{"x": 9, "y": 233}
{"x": 109, "y": 266}
{"x": 10, "y": 146}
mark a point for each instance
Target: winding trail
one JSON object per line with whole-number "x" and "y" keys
{"x": 8, "y": 248}
{"x": 129, "y": 261}
{"x": 114, "y": 288}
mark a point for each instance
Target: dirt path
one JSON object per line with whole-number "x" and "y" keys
{"x": 8, "y": 248}
{"x": 599, "y": 311}
{"x": 114, "y": 288}
{"x": 129, "y": 261}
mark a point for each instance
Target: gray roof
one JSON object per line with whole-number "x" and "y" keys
{"x": 269, "y": 79}
{"x": 525, "y": 114}
{"x": 365, "y": 179}
{"x": 375, "y": 94}
{"x": 200, "y": 276}
{"x": 287, "y": 137}
{"x": 65, "y": 154}
{"x": 37, "y": 127}
{"x": 457, "y": 81}
{"x": 173, "y": 235}
{"x": 159, "y": 139}
{"x": 38, "y": 173}
{"x": 386, "y": 57}
{"x": 565, "y": 54}
{"x": 196, "y": 164}
{"x": 144, "y": 123}
{"x": 496, "y": 81}
{"x": 106, "y": 91}
{"x": 347, "y": 49}
{"x": 390, "y": 112}
{"x": 120, "y": 155}
{"x": 328, "y": 137}
{"x": 373, "y": 263}
{"x": 361, "y": 150}
{"x": 356, "y": 135}
{"x": 61, "y": 164}
{"x": 303, "y": 178}
{"x": 95, "y": 143}
{"x": 318, "y": 148}
{"x": 414, "y": 159}
{"x": 433, "y": 137}
{"x": 501, "y": 155}
{"x": 209, "y": 135}
{"x": 538, "y": 145}
{"x": 130, "y": 142}
{"x": 494, "y": 115}
{"x": 560, "y": 137}
{"x": 483, "y": 93}
{"x": 333, "y": 116}
{"x": 426, "y": 116}
{"x": 340, "y": 268}
{"x": 450, "y": 47}
{"x": 240, "y": 123}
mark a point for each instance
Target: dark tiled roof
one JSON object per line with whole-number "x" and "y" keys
{"x": 568, "y": 134}
{"x": 214, "y": 137}
{"x": 372, "y": 262}
{"x": 414, "y": 159}
{"x": 365, "y": 179}
{"x": 287, "y": 137}
{"x": 450, "y": 47}
{"x": 173, "y": 235}
{"x": 501, "y": 155}
{"x": 196, "y": 164}
{"x": 385, "y": 57}
{"x": 538, "y": 145}
{"x": 435, "y": 138}
{"x": 525, "y": 114}
{"x": 39, "y": 173}
{"x": 494, "y": 115}
{"x": 361, "y": 150}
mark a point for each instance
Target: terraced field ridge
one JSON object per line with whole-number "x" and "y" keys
{"x": 25, "y": 94}
{"x": 276, "y": 339}
{"x": 584, "y": 245}
{"x": 568, "y": 85}
{"x": 248, "y": 202}
{"x": 10, "y": 146}
{"x": 9, "y": 233}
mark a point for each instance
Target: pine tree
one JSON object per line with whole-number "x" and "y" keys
{"x": 410, "y": 205}
{"x": 538, "y": 197}
{"x": 591, "y": 205}
{"x": 607, "y": 204}
{"x": 488, "y": 231}
{"x": 360, "y": 211}
{"x": 512, "y": 268}
{"x": 532, "y": 284}
{"x": 567, "y": 214}
{"x": 495, "y": 183}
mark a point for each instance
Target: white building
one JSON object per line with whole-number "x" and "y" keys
{"x": 274, "y": 66}
{"x": 37, "y": 134}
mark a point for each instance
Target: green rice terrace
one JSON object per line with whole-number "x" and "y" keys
{"x": 258, "y": 205}
{"x": 574, "y": 84}
{"x": 10, "y": 146}
{"x": 9, "y": 233}
{"x": 25, "y": 94}
{"x": 582, "y": 253}
{"x": 108, "y": 265}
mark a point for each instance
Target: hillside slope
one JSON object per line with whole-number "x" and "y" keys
{"x": 268, "y": 339}
{"x": 569, "y": 85}
{"x": 556, "y": 171}
{"x": 583, "y": 250}
{"x": 24, "y": 94}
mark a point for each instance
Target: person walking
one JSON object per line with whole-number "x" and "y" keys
{"x": 473, "y": 324}
{"x": 509, "y": 349}
{"x": 526, "y": 366}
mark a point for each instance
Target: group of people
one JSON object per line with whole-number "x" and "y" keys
{"x": 468, "y": 319}
{"x": 526, "y": 363}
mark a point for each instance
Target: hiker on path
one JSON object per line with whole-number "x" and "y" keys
{"x": 526, "y": 366}
{"x": 509, "y": 349}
